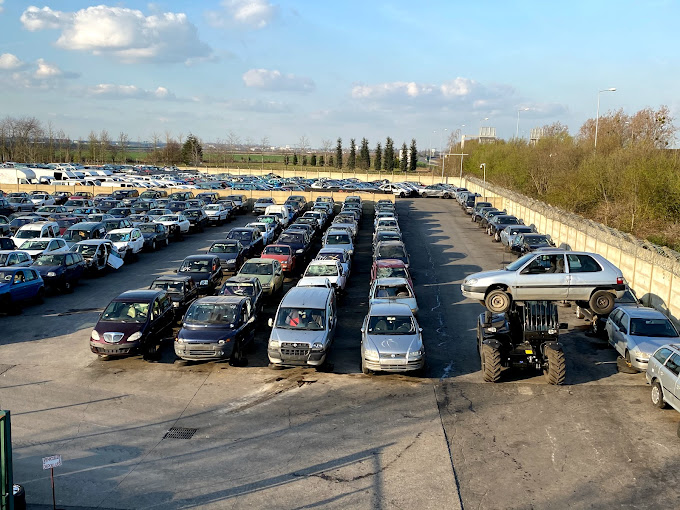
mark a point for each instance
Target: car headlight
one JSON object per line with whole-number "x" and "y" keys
{"x": 175, "y": 304}
{"x": 135, "y": 336}
{"x": 231, "y": 261}
{"x": 371, "y": 354}
{"x": 299, "y": 251}
{"x": 274, "y": 343}
{"x": 95, "y": 335}
{"x": 416, "y": 354}
{"x": 266, "y": 285}
{"x": 471, "y": 281}
{"x": 317, "y": 346}
{"x": 204, "y": 282}
{"x": 51, "y": 274}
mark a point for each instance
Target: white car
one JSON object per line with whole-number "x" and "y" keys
{"x": 126, "y": 240}
{"x": 216, "y": 213}
{"x": 178, "y": 220}
{"x": 339, "y": 254}
{"x": 267, "y": 230}
{"x": 331, "y": 269}
{"x": 314, "y": 281}
{"x": 41, "y": 245}
{"x": 41, "y": 199}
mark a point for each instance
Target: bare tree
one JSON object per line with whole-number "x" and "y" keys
{"x": 326, "y": 146}
{"x": 104, "y": 144}
{"x": 50, "y": 141}
{"x": 155, "y": 137}
{"x": 264, "y": 143}
{"x": 303, "y": 144}
{"x": 123, "y": 143}
{"x": 233, "y": 141}
{"x": 92, "y": 145}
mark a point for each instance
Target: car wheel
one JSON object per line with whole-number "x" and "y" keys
{"x": 498, "y": 301}
{"x": 237, "y": 358}
{"x": 364, "y": 369}
{"x": 491, "y": 363}
{"x": 402, "y": 195}
{"x": 497, "y": 237}
{"x": 556, "y": 371}
{"x": 657, "y": 396}
{"x": 602, "y": 302}
{"x": 40, "y": 296}
{"x": 446, "y": 195}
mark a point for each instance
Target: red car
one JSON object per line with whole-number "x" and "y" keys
{"x": 390, "y": 268}
{"x": 281, "y": 252}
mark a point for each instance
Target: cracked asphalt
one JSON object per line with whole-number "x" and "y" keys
{"x": 299, "y": 438}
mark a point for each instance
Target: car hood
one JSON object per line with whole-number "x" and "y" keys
{"x": 280, "y": 258}
{"x": 264, "y": 278}
{"x": 206, "y": 333}
{"x": 491, "y": 275}
{"x": 298, "y": 336}
{"x": 150, "y": 235}
{"x": 127, "y": 328}
{"x": 197, "y": 276}
{"x": 43, "y": 270}
{"x": 394, "y": 344}
{"x": 411, "y": 302}
{"x": 649, "y": 344}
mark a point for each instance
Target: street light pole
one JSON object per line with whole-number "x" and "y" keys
{"x": 441, "y": 153}
{"x": 520, "y": 110}
{"x": 460, "y": 178}
{"x": 597, "y": 118}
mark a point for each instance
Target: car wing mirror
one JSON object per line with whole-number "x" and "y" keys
{"x": 270, "y": 322}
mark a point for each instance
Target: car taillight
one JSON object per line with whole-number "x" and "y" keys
{"x": 619, "y": 280}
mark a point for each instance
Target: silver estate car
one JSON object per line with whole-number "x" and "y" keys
{"x": 637, "y": 332}
{"x": 663, "y": 373}
{"x": 552, "y": 274}
{"x": 391, "y": 340}
{"x": 393, "y": 290}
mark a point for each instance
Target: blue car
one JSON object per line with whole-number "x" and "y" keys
{"x": 18, "y": 285}
{"x": 60, "y": 270}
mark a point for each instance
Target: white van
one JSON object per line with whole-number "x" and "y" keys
{"x": 304, "y": 327}
{"x": 285, "y": 212}
{"x": 35, "y": 230}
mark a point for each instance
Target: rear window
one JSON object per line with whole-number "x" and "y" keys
{"x": 662, "y": 355}
{"x": 582, "y": 264}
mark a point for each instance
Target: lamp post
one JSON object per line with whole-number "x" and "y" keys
{"x": 483, "y": 167}
{"x": 520, "y": 110}
{"x": 597, "y": 118}
{"x": 460, "y": 178}
{"x": 441, "y": 150}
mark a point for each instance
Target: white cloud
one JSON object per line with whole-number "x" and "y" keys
{"x": 111, "y": 91}
{"x": 251, "y": 13}
{"x": 275, "y": 80}
{"x": 47, "y": 70}
{"x": 127, "y": 34}
{"x": 1, "y": 7}
{"x": 9, "y": 61}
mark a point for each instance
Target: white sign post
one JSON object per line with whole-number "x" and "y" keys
{"x": 50, "y": 463}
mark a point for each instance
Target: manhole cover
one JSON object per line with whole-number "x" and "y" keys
{"x": 179, "y": 433}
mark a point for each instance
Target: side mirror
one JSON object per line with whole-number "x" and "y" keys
{"x": 270, "y": 322}
{"x": 363, "y": 330}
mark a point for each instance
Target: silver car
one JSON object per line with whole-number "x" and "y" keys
{"x": 663, "y": 373}
{"x": 551, "y": 274}
{"x": 393, "y": 290}
{"x": 508, "y": 234}
{"x": 637, "y": 332}
{"x": 391, "y": 340}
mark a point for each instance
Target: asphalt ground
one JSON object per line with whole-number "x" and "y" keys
{"x": 301, "y": 438}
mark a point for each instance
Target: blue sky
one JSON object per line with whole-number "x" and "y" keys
{"x": 319, "y": 69}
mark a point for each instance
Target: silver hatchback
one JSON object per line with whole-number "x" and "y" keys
{"x": 663, "y": 373}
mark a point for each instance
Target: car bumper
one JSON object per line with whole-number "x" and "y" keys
{"x": 473, "y": 292}
{"x": 389, "y": 365}
{"x": 196, "y": 351}
{"x": 301, "y": 357}
{"x": 639, "y": 362}
{"x": 119, "y": 349}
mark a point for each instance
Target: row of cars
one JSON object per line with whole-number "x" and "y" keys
{"x": 645, "y": 339}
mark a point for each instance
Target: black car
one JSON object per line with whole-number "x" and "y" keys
{"x": 124, "y": 193}
{"x": 478, "y": 213}
{"x": 4, "y": 226}
{"x": 5, "y": 207}
{"x": 177, "y": 206}
{"x": 182, "y": 290}
{"x": 316, "y": 228}
{"x": 155, "y": 235}
{"x": 251, "y": 239}
{"x": 248, "y": 286}
{"x": 60, "y": 270}
{"x": 499, "y": 223}
{"x": 298, "y": 241}
{"x": 231, "y": 253}
{"x": 197, "y": 218}
{"x": 107, "y": 204}
{"x": 205, "y": 270}
{"x": 526, "y": 243}
{"x": 181, "y": 195}
{"x": 60, "y": 197}
{"x": 488, "y": 216}
{"x": 135, "y": 321}
{"x": 120, "y": 212}
{"x": 7, "y": 243}
{"x": 217, "y": 327}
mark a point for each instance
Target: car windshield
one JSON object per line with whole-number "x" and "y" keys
{"x": 28, "y": 234}
{"x": 241, "y": 235}
{"x": 211, "y": 313}
{"x": 118, "y": 236}
{"x": 125, "y": 311}
{"x": 291, "y": 238}
{"x": 276, "y": 250}
{"x": 257, "y": 269}
{"x": 508, "y": 221}
{"x": 515, "y": 231}
{"x": 86, "y": 250}
{"x": 195, "y": 266}
{"x": 391, "y": 272}
{"x": 167, "y": 218}
{"x": 321, "y": 270}
{"x": 391, "y": 325}
{"x": 212, "y": 207}
{"x": 38, "y": 244}
{"x": 148, "y": 228}
{"x": 301, "y": 318}
{"x": 156, "y": 212}
{"x": 536, "y": 239}
{"x": 392, "y": 291}
{"x": 391, "y": 252}
{"x": 238, "y": 289}
{"x": 340, "y": 257}
{"x": 192, "y": 214}
{"x": 338, "y": 239}
{"x": 519, "y": 262}
{"x": 387, "y": 223}
{"x": 49, "y": 260}
{"x": 652, "y": 327}
{"x": 224, "y": 248}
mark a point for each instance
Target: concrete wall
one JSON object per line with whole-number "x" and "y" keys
{"x": 652, "y": 271}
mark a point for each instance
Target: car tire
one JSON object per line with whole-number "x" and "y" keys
{"x": 364, "y": 369}
{"x": 624, "y": 365}
{"x": 237, "y": 358}
{"x": 498, "y": 301}
{"x": 657, "y": 396}
{"x": 602, "y": 302}
{"x": 497, "y": 237}
{"x": 446, "y": 196}
{"x": 556, "y": 371}
{"x": 153, "y": 246}
{"x": 491, "y": 363}
{"x": 40, "y": 296}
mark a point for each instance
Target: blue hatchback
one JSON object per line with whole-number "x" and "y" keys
{"x": 18, "y": 285}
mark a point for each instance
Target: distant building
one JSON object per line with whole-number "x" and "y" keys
{"x": 486, "y": 135}
{"x": 536, "y": 135}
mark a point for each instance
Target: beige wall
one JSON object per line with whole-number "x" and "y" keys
{"x": 653, "y": 272}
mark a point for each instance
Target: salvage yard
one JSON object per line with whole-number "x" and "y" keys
{"x": 334, "y": 438}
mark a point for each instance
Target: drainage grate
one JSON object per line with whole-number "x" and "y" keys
{"x": 179, "y": 433}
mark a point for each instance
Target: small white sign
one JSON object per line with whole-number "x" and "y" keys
{"x": 51, "y": 462}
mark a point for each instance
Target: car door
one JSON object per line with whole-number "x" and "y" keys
{"x": 69, "y": 266}
{"x": 278, "y": 274}
{"x": 623, "y": 330}
{"x": 584, "y": 275}
{"x": 612, "y": 326}
{"x": 668, "y": 375}
{"x": 20, "y": 287}
{"x": 541, "y": 278}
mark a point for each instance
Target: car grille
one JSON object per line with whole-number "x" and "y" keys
{"x": 201, "y": 352}
{"x": 100, "y": 350}
{"x": 401, "y": 355}
{"x": 113, "y": 338}
{"x": 290, "y": 349}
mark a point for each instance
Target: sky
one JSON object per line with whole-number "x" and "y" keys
{"x": 277, "y": 71}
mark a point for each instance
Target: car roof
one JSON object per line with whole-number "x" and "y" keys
{"x": 139, "y": 295}
{"x": 200, "y": 256}
{"x": 390, "y": 309}
{"x": 306, "y": 296}
{"x": 222, "y": 299}
{"x": 390, "y": 263}
{"x": 642, "y": 312}
{"x": 241, "y": 279}
{"x": 95, "y": 241}
{"x": 259, "y": 260}
{"x": 7, "y": 252}
{"x": 172, "y": 278}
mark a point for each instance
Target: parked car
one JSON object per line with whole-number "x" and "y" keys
{"x": 208, "y": 197}
{"x": 498, "y": 223}
{"x": 44, "y": 245}
{"x": 662, "y": 373}
{"x": 177, "y": 224}
{"x": 116, "y": 223}
{"x": 128, "y": 241}
{"x": 204, "y": 269}
{"x": 385, "y": 235}
{"x": 391, "y": 250}
{"x": 217, "y": 327}
{"x": 435, "y": 190}
{"x": 508, "y": 234}
{"x": 392, "y": 290}
{"x": 583, "y": 277}
{"x": 231, "y": 254}
{"x": 5, "y": 229}
{"x": 266, "y": 230}
{"x": 120, "y": 212}
{"x": 7, "y": 243}
{"x": 391, "y": 340}
{"x": 99, "y": 255}
{"x": 15, "y": 258}
{"x": 84, "y": 231}
{"x": 283, "y": 253}
{"x": 155, "y": 235}
{"x": 21, "y": 204}
{"x": 486, "y": 217}
{"x": 298, "y": 241}
{"x": 135, "y": 321}
{"x": 248, "y": 286}
{"x": 198, "y": 220}
{"x": 250, "y": 238}
{"x": 240, "y": 203}
{"x": 339, "y": 254}
{"x": 261, "y": 204}
{"x": 181, "y": 195}
{"x": 34, "y": 230}
{"x": 217, "y": 214}
{"x": 637, "y": 332}
{"x": 390, "y": 268}
{"x": 303, "y": 328}
{"x": 47, "y": 211}
{"x": 338, "y": 239}
{"x": 598, "y": 321}
{"x": 60, "y": 270}
{"x": 268, "y": 271}
{"x": 478, "y": 213}
{"x": 526, "y": 243}
{"x": 331, "y": 269}
{"x": 6, "y": 209}
{"x": 19, "y": 285}
{"x": 182, "y": 290}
